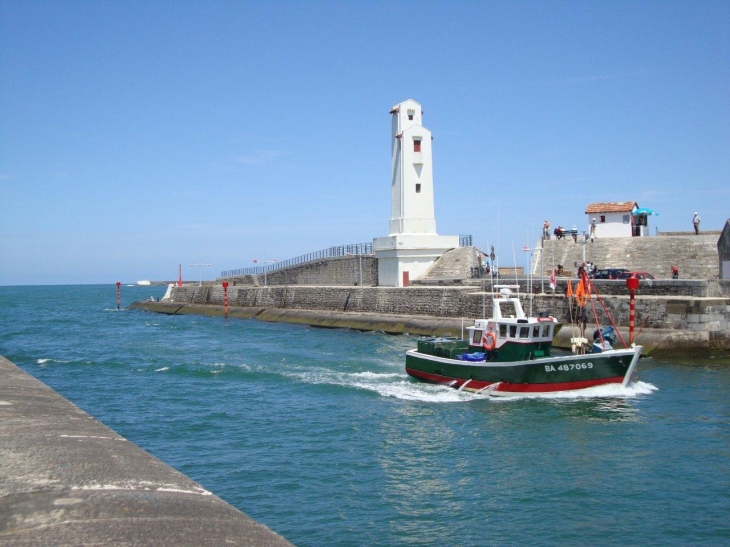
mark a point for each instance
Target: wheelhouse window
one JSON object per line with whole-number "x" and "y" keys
{"x": 513, "y": 331}
{"x": 546, "y": 331}
{"x": 536, "y": 331}
{"x": 507, "y": 308}
{"x": 476, "y": 338}
{"x": 503, "y": 331}
{"x": 524, "y": 332}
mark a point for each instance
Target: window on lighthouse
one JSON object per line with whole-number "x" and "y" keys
{"x": 418, "y": 188}
{"x": 410, "y": 114}
{"x": 417, "y": 145}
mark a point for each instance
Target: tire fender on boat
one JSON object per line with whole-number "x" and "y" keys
{"x": 489, "y": 341}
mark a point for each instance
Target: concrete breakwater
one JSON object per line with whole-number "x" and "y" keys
{"x": 675, "y": 316}
{"x": 66, "y": 479}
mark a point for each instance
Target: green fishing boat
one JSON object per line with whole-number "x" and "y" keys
{"x": 511, "y": 353}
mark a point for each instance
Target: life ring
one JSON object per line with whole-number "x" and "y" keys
{"x": 489, "y": 341}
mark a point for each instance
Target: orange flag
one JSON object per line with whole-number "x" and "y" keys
{"x": 569, "y": 292}
{"x": 580, "y": 292}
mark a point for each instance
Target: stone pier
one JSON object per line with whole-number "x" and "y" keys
{"x": 66, "y": 479}
{"x": 675, "y": 316}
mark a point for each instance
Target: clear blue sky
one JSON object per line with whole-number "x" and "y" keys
{"x": 136, "y": 136}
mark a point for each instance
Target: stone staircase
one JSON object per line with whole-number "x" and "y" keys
{"x": 454, "y": 264}
{"x": 695, "y": 255}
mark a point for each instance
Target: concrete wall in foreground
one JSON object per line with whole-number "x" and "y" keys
{"x": 66, "y": 479}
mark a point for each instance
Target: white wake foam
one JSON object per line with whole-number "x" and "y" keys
{"x": 633, "y": 389}
{"x": 410, "y": 391}
{"x": 49, "y": 360}
{"x": 400, "y": 386}
{"x": 386, "y": 384}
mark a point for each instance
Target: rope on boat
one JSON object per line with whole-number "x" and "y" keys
{"x": 591, "y": 290}
{"x": 579, "y": 344}
{"x": 642, "y": 326}
{"x": 608, "y": 315}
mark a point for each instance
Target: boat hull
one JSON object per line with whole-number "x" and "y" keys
{"x": 560, "y": 373}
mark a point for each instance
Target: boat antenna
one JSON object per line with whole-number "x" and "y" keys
{"x": 529, "y": 268}
{"x": 495, "y": 270}
{"x": 499, "y": 208}
{"x": 514, "y": 261}
{"x": 552, "y": 252}
{"x": 484, "y": 288}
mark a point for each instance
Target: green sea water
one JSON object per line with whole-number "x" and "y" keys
{"x": 320, "y": 434}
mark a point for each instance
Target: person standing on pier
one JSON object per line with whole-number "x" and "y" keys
{"x": 696, "y": 223}
{"x": 593, "y": 229}
{"x": 546, "y": 230}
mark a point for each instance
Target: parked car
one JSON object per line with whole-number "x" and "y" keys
{"x": 609, "y": 273}
{"x": 637, "y": 275}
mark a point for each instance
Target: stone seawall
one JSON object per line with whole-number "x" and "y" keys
{"x": 435, "y": 301}
{"x": 671, "y": 321}
{"x": 696, "y": 288}
{"x": 336, "y": 271}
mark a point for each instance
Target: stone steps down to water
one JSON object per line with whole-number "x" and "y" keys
{"x": 695, "y": 255}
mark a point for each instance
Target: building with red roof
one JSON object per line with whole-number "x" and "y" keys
{"x": 618, "y": 219}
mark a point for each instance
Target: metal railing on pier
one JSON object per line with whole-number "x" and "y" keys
{"x": 330, "y": 252}
{"x": 465, "y": 241}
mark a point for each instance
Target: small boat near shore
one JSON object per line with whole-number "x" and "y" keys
{"x": 511, "y": 353}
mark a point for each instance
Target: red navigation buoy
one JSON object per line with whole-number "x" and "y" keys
{"x": 225, "y": 298}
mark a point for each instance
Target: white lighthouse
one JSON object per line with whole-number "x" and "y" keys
{"x": 412, "y": 245}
